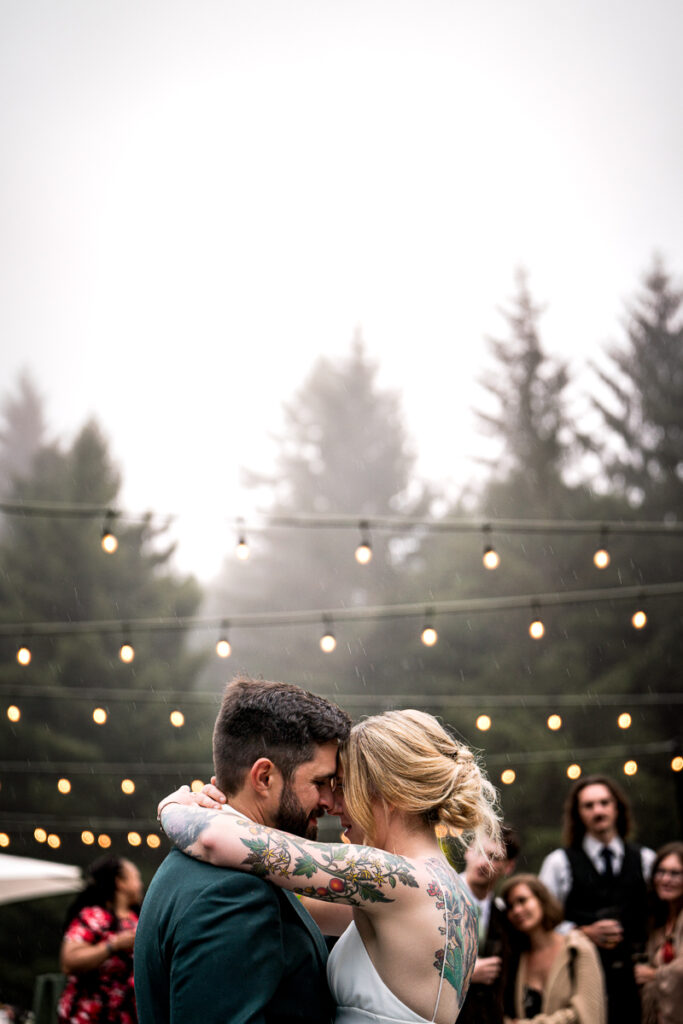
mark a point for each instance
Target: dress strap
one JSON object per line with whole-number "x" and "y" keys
{"x": 445, "y": 948}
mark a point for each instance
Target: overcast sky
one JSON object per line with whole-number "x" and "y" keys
{"x": 200, "y": 198}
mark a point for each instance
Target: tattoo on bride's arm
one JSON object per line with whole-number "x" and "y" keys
{"x": 184, "y": 824}
{"x": 459, "y": 929}
{"x": 364, "y": 876}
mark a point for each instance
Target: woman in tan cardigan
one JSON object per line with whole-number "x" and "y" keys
{"x": 662, "y": 976}
{"x": 559, "y": 977}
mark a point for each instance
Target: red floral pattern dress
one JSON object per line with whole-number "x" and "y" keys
{"x": 104, "y": 995}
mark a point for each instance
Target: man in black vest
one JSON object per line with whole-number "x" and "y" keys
{"x": 602, "y": 881}
{"x": 484, "y": 1002}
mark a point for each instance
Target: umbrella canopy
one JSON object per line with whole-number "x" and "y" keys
{"x": 24, "y": 878}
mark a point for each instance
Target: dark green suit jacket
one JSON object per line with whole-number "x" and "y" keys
{"x": 217, "y": 946}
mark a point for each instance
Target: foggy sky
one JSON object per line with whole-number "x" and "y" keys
{"x": 198, "y": 199}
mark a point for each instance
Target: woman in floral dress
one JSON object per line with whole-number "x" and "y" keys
{"x": 97, "y": 950}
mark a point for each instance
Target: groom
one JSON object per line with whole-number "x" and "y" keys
{"x": 222, "y": 946}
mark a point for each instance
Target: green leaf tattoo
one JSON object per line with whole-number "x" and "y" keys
{"x": 460, "y": 927}
{"x": 357, "y": 877}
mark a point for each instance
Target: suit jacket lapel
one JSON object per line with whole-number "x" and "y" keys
{"x": 315, "y": 932}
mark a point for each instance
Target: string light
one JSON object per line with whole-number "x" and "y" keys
{"x": 554, "y": 722}
{"x": 54, "y": 841}
{"x": 177, "y": 719}
{"x": 429, "y": 635}
{"x": 99, "y": 716}
{"x": 13, "y": 713}
{"x": 24, "y": 655}
{"x": 196, "y": 785}
{"x": 536, "y": 629}
{"x": 677, "y": 764}
{"x": 639, "y": 619}
{"x": 153, "y": 841}
{"x": 104, "y": 841}
{"x": 574, "y": 771}
{"x": 40, "y": 835}
{"x": 127, "y": 786}
{"x": 483, "y": 723}
{"x": 64, "y": 786}
{"x": 242, "y": 548}
{"x": 109, "y": 541}
{"x": 223, "y": 648}
{"x": 126, "y": 653}
{"x": 508, "y": 776}
{"x": 601, "y": 557}
{"x": 328, "y": 641}
{"x": 134, "y": 838}
{"x": 624, "y": 720}
{"x": 87, "y": 837}
{"x": 4, "y": 839}
{"x": 490, "y": 557}
{"x": 630, "y": 768}
{"x": 363, "y": 553}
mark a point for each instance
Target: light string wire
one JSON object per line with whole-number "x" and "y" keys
{"x": 347, "y": 521}
{"x": 471, "y": 606}
{"x": 588, "y": 699}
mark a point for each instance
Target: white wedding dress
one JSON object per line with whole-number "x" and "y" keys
{"x": 359, "y": 992}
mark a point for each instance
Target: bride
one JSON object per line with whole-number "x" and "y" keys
{"x": 408, "y": 929}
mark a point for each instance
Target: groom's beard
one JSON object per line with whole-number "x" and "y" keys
{"x": 291, "y": 817}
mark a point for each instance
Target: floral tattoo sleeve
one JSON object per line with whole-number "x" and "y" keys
{"x": 337, "y": 872}
{"x": 459, "y": 928}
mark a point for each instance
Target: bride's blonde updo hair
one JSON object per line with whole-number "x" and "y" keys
{"x": 407, "y": 760}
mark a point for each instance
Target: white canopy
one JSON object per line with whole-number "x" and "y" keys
{"x": 24, "y": 878}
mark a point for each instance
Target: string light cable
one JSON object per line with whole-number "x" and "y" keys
{"x": 471, "y": 606}
{"x": 339, "y": 521}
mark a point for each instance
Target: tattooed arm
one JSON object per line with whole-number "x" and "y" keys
{"x": 337, "y": 872}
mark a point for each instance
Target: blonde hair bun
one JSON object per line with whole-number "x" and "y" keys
{"x": 408, "y": 760}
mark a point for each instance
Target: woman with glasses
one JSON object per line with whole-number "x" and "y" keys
{"x": 662, "y": 976}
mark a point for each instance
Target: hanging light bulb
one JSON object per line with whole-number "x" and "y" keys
{"x": 554, "y": 722}
{"x": 363, "y": 553}
{"x": 127, "y": 786}
{"x": 109, "y": 541}
{"x": 242, "y": 548}
{"x": 483, "y": 722}
{"x": 601, "y": 557}
{"x": 677, "y": 764}
{"x": 508, "y": 776}
{"x": 104, "y": 840}
{"x": 153, "y": 841}
{"x": 134, "y": 838}
{"x": 624, "y": 720}
{"x": 429, "y": 635}
{"x": 639, "y": 619}
{"x": 536, "y": 627}
{"x": 87, "y": 837}
{"x": 223, "y": 648}
{"x": 574, "y": 771}
{"x": 177, "y": 719}
{"x": 64, "y": 786}
{"x": 490, "y": 557}
{"x": 126, "y": 652}
{"x": 630, "y": 768}
{"x": 99, "y": 716}
{"x": 13, "y": 713}
{"x": 24, "y": 655}
{"x": 328, "y": 640}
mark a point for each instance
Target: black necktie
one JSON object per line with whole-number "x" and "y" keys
{"x": 606, "y": 855}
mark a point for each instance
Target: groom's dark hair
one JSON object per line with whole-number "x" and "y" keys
{"x": 275, "y": 720}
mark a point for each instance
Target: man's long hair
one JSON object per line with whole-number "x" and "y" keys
{"x": 574, "y": 829}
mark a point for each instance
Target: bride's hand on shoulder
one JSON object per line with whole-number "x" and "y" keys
{"x": 209, "y": 796}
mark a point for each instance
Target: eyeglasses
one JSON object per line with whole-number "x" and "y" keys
{"x": 664, "y": 872}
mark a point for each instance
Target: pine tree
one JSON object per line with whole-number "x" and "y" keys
{"x": 642, "y": 448}
{"x": 530, "y": 424}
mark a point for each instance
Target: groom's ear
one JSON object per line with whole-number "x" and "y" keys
{"x": 264, "y": 776}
